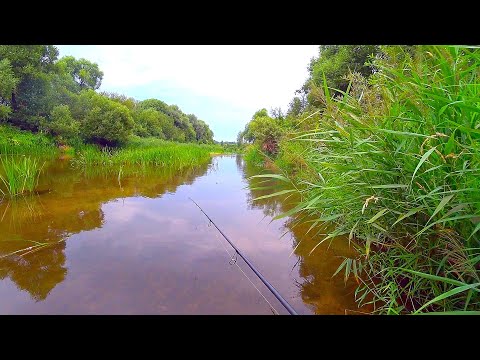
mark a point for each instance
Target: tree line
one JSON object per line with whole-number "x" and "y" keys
{"x": 334, "y": 66}
{"x": 40, "y": 92}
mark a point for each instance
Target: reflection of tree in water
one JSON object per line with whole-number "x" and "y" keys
{"x": 272, "y": 206}
{"x": 38, "y": 273}
{"x": 317, "y": 287}
{"x": 70, "y": 202}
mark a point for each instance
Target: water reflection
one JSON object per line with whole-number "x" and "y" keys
{"x": 135, "y": 244}
{"x": 318, "y": 288}
{"x": 70, "y": 202}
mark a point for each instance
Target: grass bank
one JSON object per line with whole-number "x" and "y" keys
{"x": 394, "y": 164}
{"x": 145, "y": 152}
{"x": 16, "y": 141}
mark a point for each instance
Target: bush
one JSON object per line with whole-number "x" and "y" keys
{"x": 265, "y": 131}
{"x": 62, "y": 124}
{"x": 104, "y": 121}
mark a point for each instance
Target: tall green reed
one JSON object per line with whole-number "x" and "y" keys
{"x": 168, "y": 154}
{"x": 20, "y": 175}
{"x": 394, "y": 165}
{"x": 14, "y": 141}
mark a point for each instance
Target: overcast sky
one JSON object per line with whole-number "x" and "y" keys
{"x": 221, "y": 84}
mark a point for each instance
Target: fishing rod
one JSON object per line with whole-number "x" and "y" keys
{"x": 270, "y": 287}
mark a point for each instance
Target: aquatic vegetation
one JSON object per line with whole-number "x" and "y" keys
{"x": 394, "y": 165}
{"x": 253, "y": 155}
{"x": 20, "y": 175}
{"x": 169, "y": 154}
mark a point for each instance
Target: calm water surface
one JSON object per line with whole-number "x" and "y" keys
{"x": 138, "y": 245}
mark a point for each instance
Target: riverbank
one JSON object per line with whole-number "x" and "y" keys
{"x": 394, "y": 165}
{"x": 20, "y": 166}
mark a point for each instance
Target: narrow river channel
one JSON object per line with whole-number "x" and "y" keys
{"x": 136, "y": 244}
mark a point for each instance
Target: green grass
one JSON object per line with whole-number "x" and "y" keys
{"x": 253, "y": 155}
{"x": 20, "y": 175}
{"x": 394, "y": 166}
{"x": 151, "y": 152}
{"x": 16, "y": 141}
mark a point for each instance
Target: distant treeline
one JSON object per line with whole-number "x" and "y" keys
{"x": 39, "y": 92}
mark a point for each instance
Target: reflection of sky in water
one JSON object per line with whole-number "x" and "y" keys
{"x": 157, "y": 255}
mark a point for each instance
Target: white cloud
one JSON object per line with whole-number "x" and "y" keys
{"x": 246, "y": 76}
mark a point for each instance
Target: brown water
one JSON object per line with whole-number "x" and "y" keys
{"x": 138, "y": 245}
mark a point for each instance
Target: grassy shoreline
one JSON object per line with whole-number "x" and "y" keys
{"x": 15, "y": 141}
{"x": 19, "y": 168}
{"x": 395, "y": 166}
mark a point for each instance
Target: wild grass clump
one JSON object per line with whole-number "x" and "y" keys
{"x": 396, "y": 168}
{"x": 16, "y": 141}
{"x": 169, "y": 154}
{"x": 20, "y": 175}
{"x": 253, "y": 155}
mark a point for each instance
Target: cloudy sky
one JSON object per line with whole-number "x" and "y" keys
{"x": 221, "y": 84}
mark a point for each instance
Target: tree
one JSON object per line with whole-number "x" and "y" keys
{"x": 8, "y": 83}
{"x": 260, "y": 113}
{"x": 158, "y": 105}
{"x": 149, "y": 121}
{"x": 203, "y": 134}
{"x": 129, "y": 102}
{"x": 62, "y": 124}
{"x": 277, "y": 113}
{"x": 32, "y": 66}
{"x": 103, "y": 121}
{"x": 264, "y": 130}
{"x": 181, "y": 121}
{"x": 240, "y": 138}
{"x": 295, "y": 107}
{"x": 84, "y": 73}
{"x": 335, "y": 62}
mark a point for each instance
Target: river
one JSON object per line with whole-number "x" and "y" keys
{"x": 136, "y": 244}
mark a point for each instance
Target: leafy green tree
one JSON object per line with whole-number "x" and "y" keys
{"x": 62, "y": 124}
{"x": 84, "y": 73}
{"x": 168, "y": 129}
{"x": 203, "y": 134}
{"x": 8, "y": 83}
{"x": 176, "y": 125}
{"x": 336, "y": 62}
{"x": 260, "y": 113}
{"x": 103, "y": 121}
{"x": 129, "y": 102}
{"x": 181, "y": 121}
{"x": 295, "y": 107}
{"x": 149, "y": 120}
{"x": 32, "y": 67}
{"x": 178, "y": 135}
{"x": 265, "y": 131}
{"x": 28, "y": 63}
{"x": 277, "y": 113}
{"x": 240, "y": 138}
{"x": 156, "y": 104}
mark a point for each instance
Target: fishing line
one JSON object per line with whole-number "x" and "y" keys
{"x": 287, "y": 306}
{"x": 233, "y": 261}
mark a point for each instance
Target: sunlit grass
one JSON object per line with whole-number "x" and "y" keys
{"x": 20, "y": 175}
{"x": 395, "y": 167}
{"x": 166, "y": 154}
{"x": 254, "y": 156}
{"x": 16, "y": 141}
